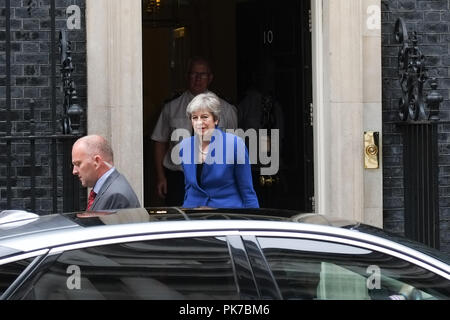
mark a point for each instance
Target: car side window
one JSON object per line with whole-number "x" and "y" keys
{"x": 10, "y": 271}
{"x": 185, "y": 268}
{"x": 310, "y": 269}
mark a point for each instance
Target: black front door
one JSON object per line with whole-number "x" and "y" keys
{"x": 274, "y": 62}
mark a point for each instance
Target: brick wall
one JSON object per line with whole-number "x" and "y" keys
{"x": 431, "y": 21}
{"x": 31, "y": 87}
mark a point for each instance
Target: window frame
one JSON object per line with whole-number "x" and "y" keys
{"x": 241, "y": 268}
{"x": 360, "y": 243}
{"x": 38, "y": 256}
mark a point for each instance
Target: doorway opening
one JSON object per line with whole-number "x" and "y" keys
{"x": 257, "y": 47}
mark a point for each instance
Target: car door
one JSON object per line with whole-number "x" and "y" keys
{"x": 149, "y": 268}
{"x": 320, "y": 268}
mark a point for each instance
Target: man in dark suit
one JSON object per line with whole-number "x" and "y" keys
{"x": 93, "y": 163}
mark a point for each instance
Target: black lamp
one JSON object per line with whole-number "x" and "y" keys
{"x": 434, "y": 99}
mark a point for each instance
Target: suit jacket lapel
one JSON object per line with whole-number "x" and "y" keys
{"x": 113, "y": 176}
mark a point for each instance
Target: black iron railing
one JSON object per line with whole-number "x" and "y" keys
{"x": 419, "y": 120}
{"x": 70, "y": 194}
{"x": 65, "y": 129}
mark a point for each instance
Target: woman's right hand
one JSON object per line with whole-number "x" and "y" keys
{"x": 161, "y": 187}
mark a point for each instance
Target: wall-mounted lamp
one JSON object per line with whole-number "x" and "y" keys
{"x": 72, "y": 111}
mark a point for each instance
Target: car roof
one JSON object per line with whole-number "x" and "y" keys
{"x": 38, "y": 232}
{"x": 20, "y": 223}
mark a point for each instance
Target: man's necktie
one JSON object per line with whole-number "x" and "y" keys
{"x": 92, "y": 195}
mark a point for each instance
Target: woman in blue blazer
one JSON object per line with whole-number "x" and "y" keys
{"x": 216, "y": 164}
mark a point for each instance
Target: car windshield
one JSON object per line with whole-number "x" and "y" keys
{"x": 404, "y": 241}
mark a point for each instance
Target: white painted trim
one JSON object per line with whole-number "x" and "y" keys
{"x": 115, "y": 90}
{"x": 318, "y": 106}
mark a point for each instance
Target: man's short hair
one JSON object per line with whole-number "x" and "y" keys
{"x": 199, "y": 60}
{"x": 96, "y": 144}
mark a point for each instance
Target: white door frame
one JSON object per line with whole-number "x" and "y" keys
{"x": 346, "y": 51}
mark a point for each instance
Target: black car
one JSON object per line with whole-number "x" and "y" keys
{"x": 223, "y": 254}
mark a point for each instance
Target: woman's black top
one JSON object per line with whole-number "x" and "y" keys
{"x": 199, "y": 174}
